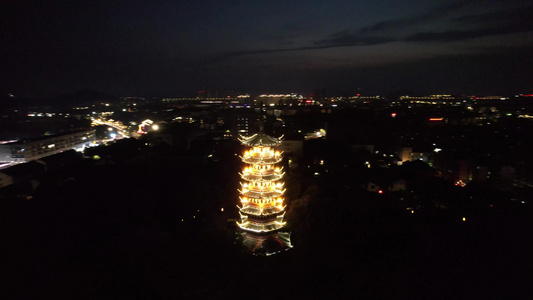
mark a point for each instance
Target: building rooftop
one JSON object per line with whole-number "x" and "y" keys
{"x": 46, "y": 137}
{"x": 260, "y": 139}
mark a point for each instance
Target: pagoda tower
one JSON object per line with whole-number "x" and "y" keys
{"x": 262, "y": 207}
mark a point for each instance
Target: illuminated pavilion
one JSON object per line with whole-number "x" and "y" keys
{"x": 262, "y": 207}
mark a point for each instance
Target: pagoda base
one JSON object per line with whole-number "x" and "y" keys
{"x": 266, "y": 244}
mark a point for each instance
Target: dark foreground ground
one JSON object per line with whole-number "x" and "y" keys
{"x": 116, "y": 232}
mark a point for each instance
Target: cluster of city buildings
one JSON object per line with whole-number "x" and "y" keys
{"x": 436, "y": 129}
{"x": 26, "y": 150}
{"x": 23, "y": 160}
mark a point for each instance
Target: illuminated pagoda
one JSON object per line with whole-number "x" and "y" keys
{"x": 262, "y": 203}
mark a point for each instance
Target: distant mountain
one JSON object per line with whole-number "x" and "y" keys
{"x": 82, "y": 97}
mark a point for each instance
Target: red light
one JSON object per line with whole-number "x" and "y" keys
{"x": 380, "y": 192}
{"x": 308, "y": 101}
{"x": 393, "y": 115}
{"x": 436, "y": 119}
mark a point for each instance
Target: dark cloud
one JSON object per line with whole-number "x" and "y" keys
{"x": 475, "y": 26}
{"x": 438, "y": 13}
{"x": 345, "y": 40}
{"x": 489, "y": 24}
{"x": 448, "y": 36}
{"x": 456, "y": 5}
{"x": 348, "y": 39}
{"x": 394, "y": 24}
{"x": 518, "y": 16}
{"x": 380, "y": 32}
{"x": 508, "y": 22}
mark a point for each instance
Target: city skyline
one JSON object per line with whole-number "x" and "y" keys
{"x": 342, "y": 47}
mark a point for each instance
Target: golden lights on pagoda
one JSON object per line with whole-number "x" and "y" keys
{"x": 262, "y": 209}
{"x": 261, "y": 194}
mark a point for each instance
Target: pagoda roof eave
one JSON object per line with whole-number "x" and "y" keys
{"x": 260, "y": 139}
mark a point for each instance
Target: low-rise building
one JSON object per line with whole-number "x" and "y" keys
{"x": 27, "y": 150}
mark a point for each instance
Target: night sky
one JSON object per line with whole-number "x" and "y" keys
{"x": 175, "y": 48}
